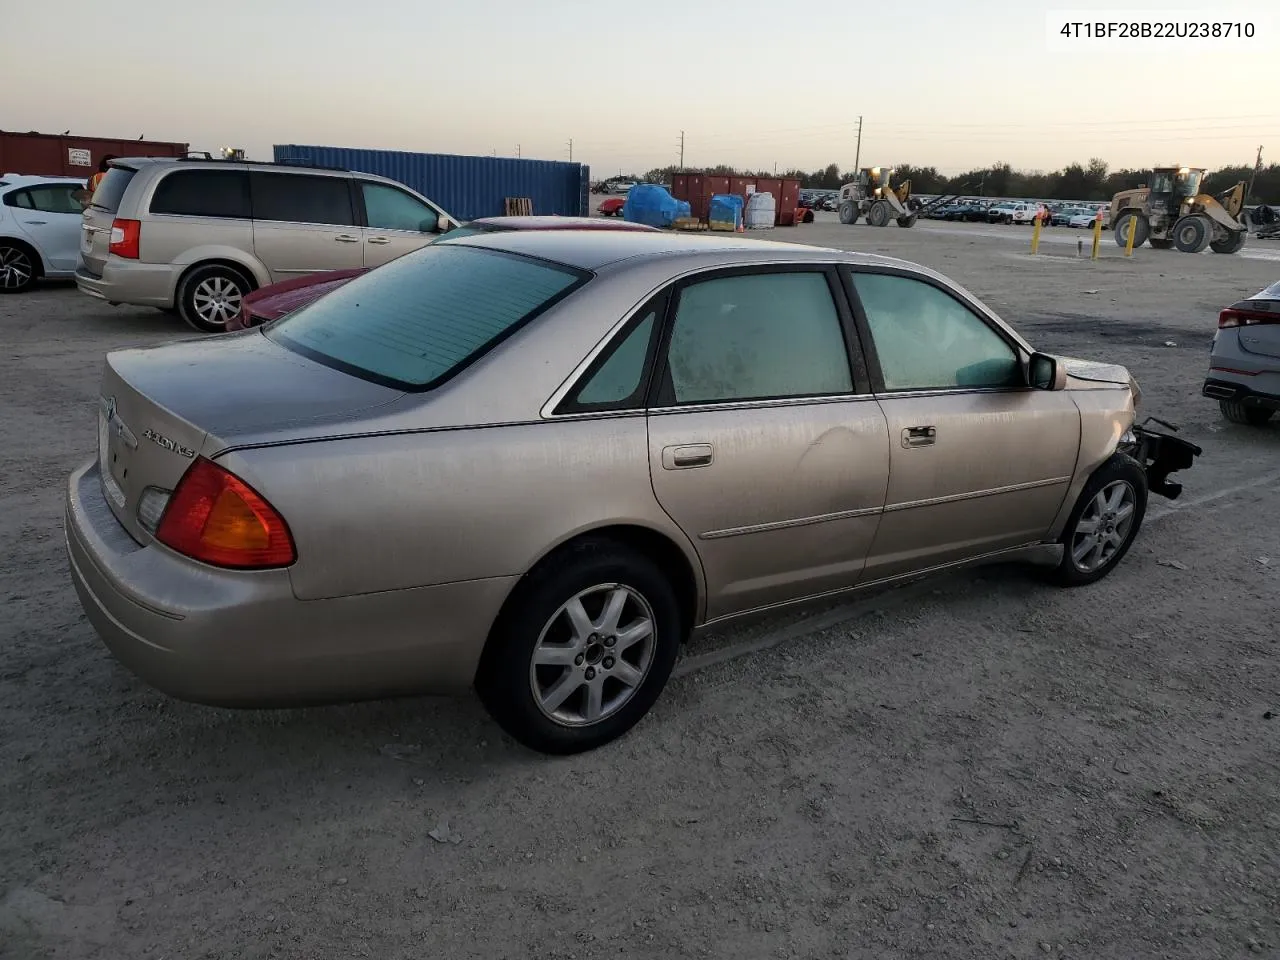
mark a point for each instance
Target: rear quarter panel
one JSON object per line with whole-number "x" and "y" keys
{"x": 396, "y": 511}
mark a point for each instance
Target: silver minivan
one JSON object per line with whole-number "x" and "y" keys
{"x": 195, "y": 235}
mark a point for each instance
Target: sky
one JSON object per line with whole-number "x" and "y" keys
{"x": 956, "y": 85}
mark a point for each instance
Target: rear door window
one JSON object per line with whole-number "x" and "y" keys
{"x": 421, "y": 318}
{"x": 202, "y": 193}
{"x": 302, "y": 198}
{"x": 111, "y": 189}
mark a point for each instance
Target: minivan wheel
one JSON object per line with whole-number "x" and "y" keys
{"x": 17, "y": 268}
{"x": 210, "y": 296}
{"x": 1104, "y": 523}
{"x": 582, "y": 650}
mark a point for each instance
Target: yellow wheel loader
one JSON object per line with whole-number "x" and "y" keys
{"x": 871, "y": 194}
{"x": 1172, "y": 212}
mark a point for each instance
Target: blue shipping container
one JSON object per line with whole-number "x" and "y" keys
{"x": 467, "y": 187}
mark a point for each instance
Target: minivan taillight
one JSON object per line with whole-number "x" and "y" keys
{"x": 218, "y": 519}
{"x": 1232, "y": 317}
{"x": 124, "y": 238}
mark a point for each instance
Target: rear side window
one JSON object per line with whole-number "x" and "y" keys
{"x": 302, "y": 198}
{"x": 203, "y": 193}
{"x": 416, "y": 321}
{"x": 111, "y": 189}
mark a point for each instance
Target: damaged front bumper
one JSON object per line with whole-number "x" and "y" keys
{"x": 1160, "y": 454}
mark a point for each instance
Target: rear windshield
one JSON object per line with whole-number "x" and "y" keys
{"x": 111, "y": 189}
{"x": 418, "y": 320}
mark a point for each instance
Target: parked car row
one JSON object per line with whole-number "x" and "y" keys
{"x": 1019, "y": 212}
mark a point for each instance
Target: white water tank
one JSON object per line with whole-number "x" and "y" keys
{"x": 761, "y": 211}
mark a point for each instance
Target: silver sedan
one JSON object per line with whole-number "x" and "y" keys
{"x": 535, "y": 463}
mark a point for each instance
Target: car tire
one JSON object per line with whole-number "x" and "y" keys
{"x": 209, "y": 296}
{"x": 521, "y": 694}
{"x": 19, "y": 267}
{"x": 878, "y": 214}
{"x": 1237, "y": 412}
{"x": 848, "y": 213}
{"x": 1099, "y": 532}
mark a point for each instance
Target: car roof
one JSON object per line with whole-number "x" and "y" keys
{"x": 558, "y": 223}
{"x": 590, "y": 250}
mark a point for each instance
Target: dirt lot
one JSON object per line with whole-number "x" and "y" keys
{"x": 981, "y": 767}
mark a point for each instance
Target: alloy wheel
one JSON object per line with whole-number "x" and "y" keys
{"x": 593, "y": 654}
{"x": 16, "y": 268}
{"x": 217, "y": 299}
{"x": 1103, "y": 527}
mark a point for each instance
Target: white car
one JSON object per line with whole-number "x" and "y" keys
{"x": 40, "y": 221}
{"x": 1084, "y": 218}
{"x": 620, "y": 186}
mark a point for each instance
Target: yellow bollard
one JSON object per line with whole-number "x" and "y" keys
{"x": 1035, "y": 235}
{"x": 1133, "y": 232}
{"x": 1097, "y": 235}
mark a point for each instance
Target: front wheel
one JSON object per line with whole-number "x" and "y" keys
{"x": 17, "y": 268}
{"x": 1192, "y": 234}
{"x": 1104, "y": 523}
{"x": 848, "y": 213}
{"x": 1233, "y": 243}
{"x": 878, "y": 215}
{"x": 582, "y": 650}
{"x": 209, "y": 297}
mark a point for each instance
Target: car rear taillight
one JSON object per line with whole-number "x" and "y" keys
{"x": 1233, "y": 317}
{"x": 217, "y": 518}
{"x": 125, "y": 235}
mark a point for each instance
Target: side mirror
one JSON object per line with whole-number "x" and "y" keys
{"x": 1044, "y": 373}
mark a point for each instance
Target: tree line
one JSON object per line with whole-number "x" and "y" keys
{"x": 1091, "y": 181}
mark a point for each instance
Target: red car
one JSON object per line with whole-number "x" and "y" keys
{"x": 612, "y": 207}
{"x": 275, "y": 300}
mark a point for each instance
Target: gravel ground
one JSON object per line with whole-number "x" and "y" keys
{"x": 976, "y": 767}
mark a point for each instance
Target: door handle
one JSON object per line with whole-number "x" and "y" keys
{"x": 38, "y": 223}
{"x": 919, "y": 436}
{"x": 346, "y": 238}
{"x": 379, "y": 240}
{"x": 687, "y": 456}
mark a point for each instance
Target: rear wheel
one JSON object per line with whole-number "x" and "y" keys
{"x": 878, "y": 215}
{"x": 209, "y": 297}
{"x": 583, "y": 648}
{"x": 1131, "y": 222}
{"x": 1237, "y": 412}
{"x": 848, "y": 212}
{"x": 1104, "y": 523}
{"x": 1191, "y": 234}
{"x": 1234, "y": 241}
{"x": 17, "y": 267}
{"x": 1161, "y": 244}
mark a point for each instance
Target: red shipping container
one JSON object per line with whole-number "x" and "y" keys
{"x": 739, "y": 186}
{"x": 717, "y": 185}
{"x": 788, "y": 203}
{"x": 680, "y": 186}
{"x": 55, "y": 155}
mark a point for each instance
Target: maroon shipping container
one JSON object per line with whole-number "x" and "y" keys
{"x": 788, "y": 203}
{"x": 739, "y": 186}
{"x": 58, "y": 155}
{"x": 697, "y": 189}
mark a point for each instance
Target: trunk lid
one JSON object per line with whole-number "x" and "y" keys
{"x": 95, "y": 225}
{"x": 1262, "y": 339}
{"x": 160, "y": 407}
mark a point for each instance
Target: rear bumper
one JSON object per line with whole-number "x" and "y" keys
{"x": 1239, "y": 393}
{"x": 128, "y": 281}
{"x": 236, "y": 638}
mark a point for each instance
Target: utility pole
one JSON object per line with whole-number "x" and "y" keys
{"x": 858, "y": 154}
{"x": 517, "y": 151}
{"x": 681, "y": 149}
{"x": 1257, "y": 165}
{"x": 571, "y": 149}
